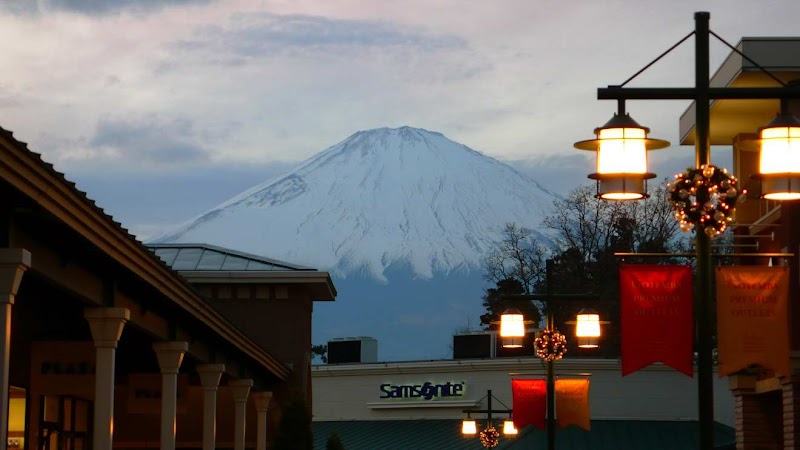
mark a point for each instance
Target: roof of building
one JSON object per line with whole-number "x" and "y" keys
{"x": 779, "y": 55}
{"x": 446, "y": 435}
{"x": 212, "y": 258}
{"x": 204, "y": 263}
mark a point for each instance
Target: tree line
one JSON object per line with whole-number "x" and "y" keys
{"x": 582, "y": 236}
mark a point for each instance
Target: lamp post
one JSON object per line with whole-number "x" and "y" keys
{"x": 777, "y": 183}
{"x": 587, "y": 336}
{"x": 489, "y": 435}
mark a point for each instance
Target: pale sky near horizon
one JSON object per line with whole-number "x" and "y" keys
{"x": 166, "y": 90}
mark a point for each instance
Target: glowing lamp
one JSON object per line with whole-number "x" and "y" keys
{"x": 621, "y": 147}
{"x": 469, "y": 427}
{"x": 512, "y": 328}
{"x": 508, "y": 428}
{"x": 587, "y": 328}
{"x": 779, "y": 162}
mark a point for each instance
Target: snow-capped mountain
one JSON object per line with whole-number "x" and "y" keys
{"x": 380, "y": 198}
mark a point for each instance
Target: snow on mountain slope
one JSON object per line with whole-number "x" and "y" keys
{"x": 379, "y": 198}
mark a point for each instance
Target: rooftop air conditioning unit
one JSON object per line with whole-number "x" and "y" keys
{"x": 478, "y": 344}
{"x": 361, "y": 349}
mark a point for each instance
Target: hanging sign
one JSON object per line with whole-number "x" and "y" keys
{"x": 656, "y": 315}
{"x": 752, "y": 318}
{"x": 572, "y": 403}
{"x": 529, "y": 403}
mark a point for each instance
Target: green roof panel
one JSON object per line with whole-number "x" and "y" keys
{"x": 446, "y": 435}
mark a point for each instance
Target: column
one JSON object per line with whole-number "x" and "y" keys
{"x": 755, "y": 415}
{"x": 106, "y": 325}
{"x": 240, "y": 390}
{"x": 210, "y": 375}
{"x": 13, "y": 263}
{"x": 261, "y": 400}
{"x": 791, "y": 413}
{"x": 170, "y": 357}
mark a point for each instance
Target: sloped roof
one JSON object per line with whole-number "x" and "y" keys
{"x": 205, "y": 257}
{"x": 446, "y": 435}
{"x": 204, "y": 263}
{"x": 38, "y": 179}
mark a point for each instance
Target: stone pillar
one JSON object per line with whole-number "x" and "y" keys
{"x": 13, "y": 263}
{"x": 106, "y": 325}
{"x": 261, "y": 400}
{"x": 791, "y": 414}
{"x": 170, "y": 357}
{"x": 210, "y": 375}
{"x": 756, "y": 416}
{"x": 240, "y": 390}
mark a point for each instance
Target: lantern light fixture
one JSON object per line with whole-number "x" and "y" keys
{"x": 508, "y": 428}
{"x": 469, "y": 427}
{"x": 587, "y": 328}
{"x": 512, "y": 328}
{"x": 621, "y": 147}
{"x": 779, "y": 158}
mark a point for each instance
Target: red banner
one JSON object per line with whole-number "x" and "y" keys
{"x": 656, "y": 314}
{"x": 572, "y": 403}
{"x": 752, "y": 318}
{"x": 529, "y": 403}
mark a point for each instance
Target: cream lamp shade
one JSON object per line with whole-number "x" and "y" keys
{"x": 621, "y": 148}
{"x": 779, "y": 159}
{"x": 508, "y": 428}
{"x": 512, "y": 328}
{"x": 587, "y": 328}
{"x": 469, "y": 427}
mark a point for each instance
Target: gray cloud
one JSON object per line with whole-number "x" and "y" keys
{"x": 91, "y": 7}
{"x": 266, "y": 34}
{"x": 150, "y": 140}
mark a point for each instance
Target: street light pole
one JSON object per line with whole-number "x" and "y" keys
{"x": 701, "y": 94}
{"x": 704, "y": 308}
{"x": 548, "y": 297}
{"x": 551, "y": 382}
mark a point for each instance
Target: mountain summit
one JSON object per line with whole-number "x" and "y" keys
{"x": 388, "y": 197}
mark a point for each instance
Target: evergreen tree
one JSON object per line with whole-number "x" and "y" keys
{"x": 334, "y": 443}
{"x": 587, "y": 233}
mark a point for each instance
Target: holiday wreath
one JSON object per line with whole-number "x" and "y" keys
{"x": 704, "y": 199}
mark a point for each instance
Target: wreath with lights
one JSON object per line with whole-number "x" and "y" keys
{"x": 490, "y": 437}
{"x": 550, "y": 345}
{"x": 704, "y": 199}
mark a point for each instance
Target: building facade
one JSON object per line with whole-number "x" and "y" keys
{"x": 353, "y": 399}
{"x": 105, "y": 346}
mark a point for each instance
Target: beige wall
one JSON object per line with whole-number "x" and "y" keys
{"x": 351, "y": 392}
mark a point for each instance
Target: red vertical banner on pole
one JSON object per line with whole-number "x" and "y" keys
{"x": 656, "y": 314}
{"x": 752, "y": 318}
{"x": 529, "y": 403}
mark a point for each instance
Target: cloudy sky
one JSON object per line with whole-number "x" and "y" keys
{"x": 161, "y": 109}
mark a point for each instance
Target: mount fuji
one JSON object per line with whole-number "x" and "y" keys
{"x": 401, "y": 217}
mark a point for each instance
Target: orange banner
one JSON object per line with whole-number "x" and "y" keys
{"x": 572, "y": 403}
{"x": 752, "y": 318}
